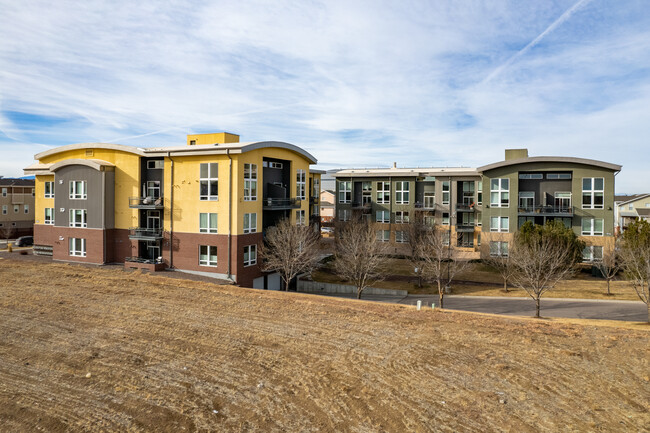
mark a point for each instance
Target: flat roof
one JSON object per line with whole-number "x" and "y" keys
{"x": 404, "y": 172}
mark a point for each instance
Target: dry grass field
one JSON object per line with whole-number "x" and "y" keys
{"x": 102, "y": 349}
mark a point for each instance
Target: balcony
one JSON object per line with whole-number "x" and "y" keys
{"x": 271, "y": 203}
{"x": 427, "y": 207}
{"x": 465, "y": 228}
{"x": 145, "y": 234}
{"x": 363, "y": 207}
{"x": 465, "y": 207}
{"x": 313, "y": 200}
{"x": 146, "y": 203}
{"x": 465, "y": 244}
{"x": 546, "y": 210}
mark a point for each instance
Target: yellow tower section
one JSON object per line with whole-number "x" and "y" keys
{"x": 212, "y": 138}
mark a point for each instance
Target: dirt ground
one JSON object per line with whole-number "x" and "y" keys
{"x": 101, "y": 349}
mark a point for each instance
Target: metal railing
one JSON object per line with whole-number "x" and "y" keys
{"x": 271, "y": 202}
{"x": 145, "y": 233}
{"x": 546, "y": 209}
{"x": 422, "y": 206}
{"x": 148, "y": 202}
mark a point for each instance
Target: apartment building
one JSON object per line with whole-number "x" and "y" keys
{"x": 16, "y": 207}
{"x": 450, "y": 198}
{"x": 477, "y": 206}
{"x": 203, "y": 207}
{"x": 579, "y": 192}
{"x": 630, "y": 208}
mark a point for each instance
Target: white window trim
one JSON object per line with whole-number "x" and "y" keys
{"x": 208, "y": 180}
{"x": 344, "y": 191}
{"x": 74, "y": 193}
{"x": 402, "y": 217}
{"x": 592, "y": 227}
{"x": 252, "y": 223}
{"x": 300, "y": 217}
{"x": 51, "y": 187}
{"x": 383, "y": 194}
{"x": 592, "y": 193}
{"x": 499, "y": 229}
{"x": 500, "y": 190}
{"x": 301, "y": 182}
{"x": 208, "y": 228}
{"x": 447, "y": 191}
{"x": 401, "y": 192}
{"x": 73, "y": 220}
{"x": 250, "y": 178}
{"x": 381, "y": 235}
{"x": 72, "y": 247}
{"x": 208, "y": 262}
{"x": 251, "y": 250}
{"x": 499, "y": 249}
{"x": 385, "y": 216}
{"x": 51, "y": 220}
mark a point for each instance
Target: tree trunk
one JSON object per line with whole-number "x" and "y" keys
{"x": 505, "y": 285}
{"x": 608, "y": 292}
{"x": 648, "y": 304}
{"x": 441, "y": 295}
{"x": 537, "y": 308}
{"x": 286, "y": 285}
{"x": 359, "y": 290}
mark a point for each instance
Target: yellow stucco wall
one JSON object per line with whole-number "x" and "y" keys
{"x": 40, "y": 202}
{"x": 212, "y": 138}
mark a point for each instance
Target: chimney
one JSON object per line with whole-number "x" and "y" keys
{"x": 394, "y": 165}
{"x": 516, "y": 154}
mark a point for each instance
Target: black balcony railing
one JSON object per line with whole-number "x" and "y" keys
{"x": 545, "y": 210}
{"x": 146, "y": 202}
{"x": 425, "y": 207}
{"x": 281, "y": 203}
{"x": 465, "y": 207}
{"x": 145, "y": 233}
{"x": 466, "y": 244}
{"x": 313, "y": 200}
{"x": 465, "y": 227}
{"x": 364, "y": 207}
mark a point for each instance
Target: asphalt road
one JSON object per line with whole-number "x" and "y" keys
{"x": 568, "y": 308}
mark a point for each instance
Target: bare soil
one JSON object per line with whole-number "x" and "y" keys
{"x": 102, "y": 349}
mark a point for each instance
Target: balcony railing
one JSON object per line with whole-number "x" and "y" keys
{"x": 546, "y": 210}
{"x": 143, "y": 260}
{"x": 146, "y": 202}
{"x": 364, "y": 207}
{"x": 281, "y": 203}
{"x": 465, "y": 227}
{"x": 425, "y": 207}
{"x": 465, "y": 207}
{"x": 145, "y": 233}
{"x": 466, "y": 244}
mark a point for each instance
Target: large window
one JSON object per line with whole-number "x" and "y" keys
{"x": 153, "y": 189}
{"x": 366, "y": 193}
{"x": 345, "y": 191}
{"x": 499, "y": 249}
{"x": 250, "y": 255}
{"x": 445, "y": 192}
{"x": 479, "y": 199}
{"x": 77, "y": 247}
{"x": 401, "y": 217}
{"x": 402, "y": 192}
{"x": 383, "y": 216}
{"x": 78, "y": 218}
{"x": 429, "y": 200}
{"x": 500, "y": 192}
{"x": 383, "y": 192}
{"x": 383, "y": 235}
{"x": 592, "y": 226}
{"x": 593, "y": 192}
{"x": 26, "y": 209}
{"x": 250, "y": 222}
{"x": 300, "y": 217}
{"x": 209, "y": 177}
{"x": 207, "y": 255}
{"x": 499, "y": 224}
{"x": 592, "y": 253}
{"x": 78, "y": 189}
{"x": 445, "y": 218}
{"x": 4, "y": 209}
{"x": 49, "y": 190}
{"x": 250, "y": 182}
{"x": 301, "y": 181}
{"x": 208, "y": 223}
{"x": 49, "y": 216}
{"x": 401, "y": 237}
{"x": 4, "y": 192}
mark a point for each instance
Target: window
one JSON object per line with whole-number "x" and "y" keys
{"x": 499, "y": 224}
{"x": 153, "y": 189}
{"x": 4, "y": 192}
{"x": 77, "y": 247}
{"x": 383, "y": 192}
{"x": 250, "y": 255}
{"x": 78, "y": 189}
{"x": 445, "y": 218}
{"x": 78, "y": 218}
{"x": 445, "y": 192}
{"x": 401, "y": 237}
{"x": 401, "y": 217}
{"x": 479, "y": 199}
{"x": 49, "y": 216}
{"x": 209, "y": 178}
{"x": 401, "y": 192}
{"x": 499, "y": 249}
{"x": 301, "y": 179}
{"x": 207, "y": 255}
{"x": 429, "y": 200}
{"x": 366, "y": 193}
{"x": 593, "y": 189}
{"x": 558, "y": 176}
{"x": 383, "y": 235}
{"x": 630, "y": 207}
{"x": 300, "y": 217}
{"x": 468, "y": 219}
{"x": 273, "y": 164}
{"x": 383, "y": 216}
{"x": 49, "y": 190}
{"x": 16, "y": 208}
{"x": 430, "y": 221}
{"x": 479, "y": 219}
{"x": 192, "y": 142}
{"x": 345, "y": 192}
{"x": 531, "y": 176}
{"x": 344, "y": 214}
{"x": 316, "y": 188}
{"x": 33, "y": 192}
{"x": 500, "y": 192}
{"x": 592, "y": 253}
{"x": 468, "y": 193}
{"x": 250, "y": 222}
{"x": 155, "y": 164}
{"x": 207, "y": 223}
{"x": 526, "y": 201}
{"x": 4, "y": 209}
{"x": 592, "y": 226}
{"x": 26, "y": 208}
{"x": 250, "y": 182}
{"x": 445, "y": 238}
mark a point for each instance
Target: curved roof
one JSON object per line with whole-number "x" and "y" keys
{"x": 122, "y": 147}
{"x": 537, "y": 159}
{"x": 97, "y": 164}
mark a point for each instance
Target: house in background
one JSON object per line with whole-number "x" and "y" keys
{"x": 327, "y": 206}
{"x": 16, "y": 207}
{"x": 203, "y": 207}
{"x": 629, "y": 208}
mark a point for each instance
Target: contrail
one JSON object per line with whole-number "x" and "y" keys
{"x": 565, "y": 16}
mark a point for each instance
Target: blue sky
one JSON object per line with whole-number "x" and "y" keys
{"x": 356, "y": 83}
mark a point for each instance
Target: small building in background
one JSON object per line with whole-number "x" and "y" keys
{"x": 16, "y": 207}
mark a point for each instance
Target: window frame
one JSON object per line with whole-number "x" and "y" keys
{"x": 48, "y": 185}
{"x": 72, "y": 247}
{"x": 381, "y": 235}
{"x": 250, "y": 226}
{"x": 592, "y": 193}
{"x": 74, "y": 193}
{"x": 402, "y": 192}
{"x": 251, "y": 251}
{"x": 208, "y": 262}
{"x": 49, "y": 221}
{"x": 385, "y": 217}
{"x": 83, "y": 221}
{"x": 500, "y": 191}
{"x": 300, "y": 217}
{"x": 208, "y": 228}
{"x": 402, "y": 217}
{"x": 591, "y": 229}
{"x": 345, "y": 191}
{"x": 383, "y": 192}
{"x": 209, "y": 181}
{"x": 499, "y": 226}
{"x": 301, "y": 184}
{"x": 498, "y": 250}
{"x": 446, "y": 192}
{"x": 250, "y": 182}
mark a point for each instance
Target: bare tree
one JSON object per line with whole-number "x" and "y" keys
{"x": 290, "y": 250}
{"x": 542, "y": 256}
{"x": 610, "y": 265}
{"x": 635, "y": 255}
{"x": 440, "y": 262}
{"x": 359, "y": 257}
{"x": 7, "y": 232}
{"x": 417, "y": 232}
{"x": 502, "y": 262}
